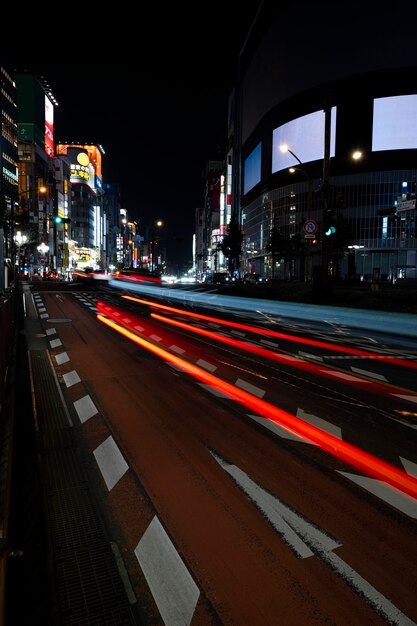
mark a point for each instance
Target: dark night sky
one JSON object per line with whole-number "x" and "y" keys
{"x": 158, "y": 107}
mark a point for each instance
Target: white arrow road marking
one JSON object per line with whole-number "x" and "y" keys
{"x": 382, "y": 490}
{"x": 294, "y": 530}
{"x": 174, "y": 590}
{"x": 306, "y": 540}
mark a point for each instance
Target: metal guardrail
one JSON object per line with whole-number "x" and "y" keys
{"x": 9, "y": 302}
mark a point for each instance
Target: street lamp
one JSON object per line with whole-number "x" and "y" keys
{"x": 21, "y": 209}
{"x": 285, "y": 148}
{"x": 328, "y": 201}
{"x": 158, "y": 224}
{"x": 43, "y": 249}
{"x": 301, "y": 168}
{"x": 19, "y": 240}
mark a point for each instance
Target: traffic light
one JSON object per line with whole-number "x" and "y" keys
{"x": 330, "y": 231}
{"x": 330, "y": 223}
{"x": 62, "y": 220}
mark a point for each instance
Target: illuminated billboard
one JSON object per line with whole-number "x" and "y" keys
{"x": 94, "y": 155}
{"x": 395, "y": 123}
{"x": 252, "y": 169}
{"x": 81, "y": 170}
{"x": 49, "y": 127}
{"x": 305, "y": 137}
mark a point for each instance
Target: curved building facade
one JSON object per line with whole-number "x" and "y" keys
{"x": 315, "y": 86}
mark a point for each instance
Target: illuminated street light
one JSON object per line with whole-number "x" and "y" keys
{"x": 154, "y": 257}
{"x": 284, "y": 148}
{"x": 329, "y": 216}
{"x": 19, "y": 240}
{"x": 43, "y": 248}
{"x": 292, "y": 170}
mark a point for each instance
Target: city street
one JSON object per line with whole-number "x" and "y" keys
{"x": 220, "y": 514}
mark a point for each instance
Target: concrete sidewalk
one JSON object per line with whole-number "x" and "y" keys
{"x": 68, "y": 572}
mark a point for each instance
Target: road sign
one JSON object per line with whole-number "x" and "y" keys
{"x": 310, "y": 227}
{"x": 407, "y": 205}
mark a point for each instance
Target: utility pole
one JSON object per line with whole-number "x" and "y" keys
{"x": 321, "y": 277}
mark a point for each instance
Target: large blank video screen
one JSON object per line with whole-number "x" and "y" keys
{"x": 305, "y": 137}
{"x": 252, "y": 169}
{"x": 395, "y": 123}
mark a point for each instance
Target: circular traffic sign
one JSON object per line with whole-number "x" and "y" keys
{"x": 310, "y": 227}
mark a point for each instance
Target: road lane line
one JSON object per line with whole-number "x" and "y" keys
{"x": 284, "y": 519}
{"x": 111, "y": 462}
{"x": 172, "y": 586}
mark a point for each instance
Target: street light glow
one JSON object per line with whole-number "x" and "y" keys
{"x": 20, "y": 239}
{"x": 43, "y": 248}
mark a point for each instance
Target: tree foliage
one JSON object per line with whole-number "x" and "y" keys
{"x": 231, "y": 246}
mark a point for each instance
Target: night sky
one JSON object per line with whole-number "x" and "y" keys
{"x": 158, "y": 106}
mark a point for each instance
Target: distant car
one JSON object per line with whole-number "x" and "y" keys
{"x": 252, "y": 279}
{"x": 50, "y": 276}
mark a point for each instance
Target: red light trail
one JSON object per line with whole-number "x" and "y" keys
{"x": 355, "y": 457}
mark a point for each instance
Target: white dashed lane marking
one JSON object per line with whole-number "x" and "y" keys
{"x": 85, "y": 408}
{"x": 111, "y": 462}
{"x": 71, "y": 378}
{"x": 172, "y": 586}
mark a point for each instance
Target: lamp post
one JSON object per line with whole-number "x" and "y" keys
{"x": 158, "y": 224}
{"x": 301, "y": 168}
{"x": 42, "y": 190}
{"x": 43, "y": 249}
{"x": 20, "y": 240}
{"x": 321, "y": 277}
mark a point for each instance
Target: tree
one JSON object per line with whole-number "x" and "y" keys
{"x": 231, "y": 246}
{"x": 295, "y": 247}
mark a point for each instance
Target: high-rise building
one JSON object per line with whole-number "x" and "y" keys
{"x": 9, "y": 174}
{"x": 89, "y": 226}
{"x": 315, "y": 86}
{"x": 34, "y": 215}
